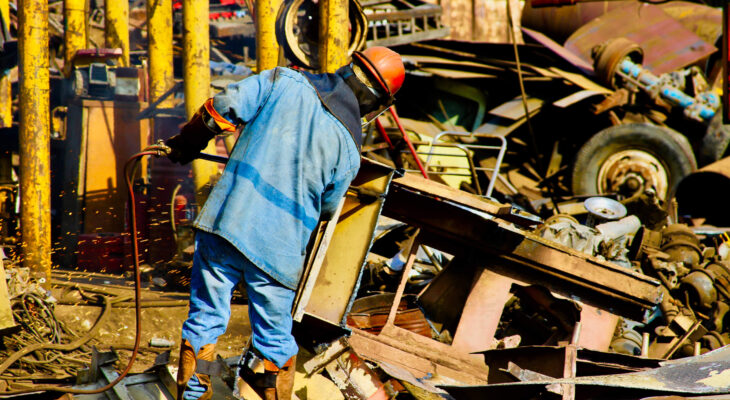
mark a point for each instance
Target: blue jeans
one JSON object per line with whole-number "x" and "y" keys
{"x": 217, "y": 269}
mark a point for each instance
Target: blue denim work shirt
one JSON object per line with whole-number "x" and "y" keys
{"x": 293, "y": 162}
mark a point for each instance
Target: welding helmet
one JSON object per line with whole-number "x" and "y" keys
{"x": 385, "y": 69}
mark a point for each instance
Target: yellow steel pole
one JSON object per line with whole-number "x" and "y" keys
{"x": 159, "y": 39}
{"x": 35, "y": 136}
{"x": 116, "y": 28}
{"x": 334, "y": 35}
{"x": 6, "y": 99}
{"x": 74, "y": 14}
{"x": 196, "y": 63}
{"x": 267, "y": 48}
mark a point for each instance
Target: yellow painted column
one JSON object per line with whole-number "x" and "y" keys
{"x": 196, "y": 63}
{"x": 116, "y": 28}
{"x": 34, "y": 137}
{"x": 334, "y": 35}
{"x": 159, "y": 40}
{"x": 267, "y": 48}
{"x": 6, "y": 99}
{"x": 74, "y": 39}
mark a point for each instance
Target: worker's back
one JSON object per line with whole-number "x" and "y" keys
{"x": 293, "y": 161}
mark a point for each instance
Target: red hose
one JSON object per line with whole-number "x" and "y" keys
{"x": 408, "y": 141}
{"x": 158, "y": 150}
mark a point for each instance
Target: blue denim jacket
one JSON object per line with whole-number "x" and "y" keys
{"x": 292, "y": 164}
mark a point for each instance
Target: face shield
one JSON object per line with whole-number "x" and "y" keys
{"x": 373, "y": 115}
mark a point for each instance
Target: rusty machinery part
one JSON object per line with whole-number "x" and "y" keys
{"x": 681, "y": 244}
{"x": 632, "y": 158}
{"x": 716, "y": 141}
{"x": 297, "y": 29}
{"x": 645, "y": 241}
{"x": 699, "y": 287}
{"x": 608, "y": 55}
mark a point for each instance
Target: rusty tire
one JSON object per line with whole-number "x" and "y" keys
{"x": 631, "y": 157}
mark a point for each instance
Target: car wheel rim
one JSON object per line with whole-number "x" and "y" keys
{"x": 630, "y": 171}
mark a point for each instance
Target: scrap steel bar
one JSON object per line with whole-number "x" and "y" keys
{"x": 462, "y": 222}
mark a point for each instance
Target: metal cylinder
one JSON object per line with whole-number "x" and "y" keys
{"x": 267, "y": 48}
{"x": 159, "y": 41}
{"x": 6, "y": 99}
{"x": 74, "y": 39}
{"x": 34, "y": 137}
{"x": 334, "y": 34}
{"x": 116, "y": 28}
{"x": 698, "y": 194}
{"x": 196, "y": 62}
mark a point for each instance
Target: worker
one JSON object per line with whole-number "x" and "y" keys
{"x": 292, "y": 164}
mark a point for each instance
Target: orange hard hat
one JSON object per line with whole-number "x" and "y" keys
{"x": 385, "y": 65}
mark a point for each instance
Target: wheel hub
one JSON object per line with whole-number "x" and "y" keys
{"x": 631, "y": 171}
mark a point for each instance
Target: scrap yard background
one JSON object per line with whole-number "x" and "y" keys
{"x": 541, "y": 214}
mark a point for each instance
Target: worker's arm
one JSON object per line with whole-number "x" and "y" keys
{"x": 237, "y": 104}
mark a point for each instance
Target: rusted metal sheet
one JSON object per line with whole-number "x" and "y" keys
{"x": 371, "y": 313}
{"x": 704, "y": 21}
{"x": 461, "y": 223}
{"x": 567, "y": 55}
{"x": 558, "y": 23}
{"x": 667, "y": 44}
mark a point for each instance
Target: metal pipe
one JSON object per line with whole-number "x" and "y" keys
{"x": 334, "y": 34}
{"x": 159, "y": 42}
{"x": 267, "y": 48}
{"x": 34, "y": 137}
{"x": 6, "y": 99}
{"x": 74, "y": 39}
{"x": 196, "y": 63}
{"x": 116, "y": 27}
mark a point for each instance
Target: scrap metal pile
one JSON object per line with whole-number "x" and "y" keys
{"x": 555, "y": 245}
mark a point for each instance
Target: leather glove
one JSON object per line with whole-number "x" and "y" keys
{"x": 192, "y": 139}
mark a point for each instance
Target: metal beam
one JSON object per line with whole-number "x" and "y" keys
{"x": 196, "y": 63}
{"x": 6, "y": 99}
{"x": 34, "y": 137}
{"x": 334, "y": 34}
{"x": 74, "y": 39}
{"x": 116, "y": 28}
{"x": 267, "y": 48}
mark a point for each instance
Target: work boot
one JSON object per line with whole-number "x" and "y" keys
{"x": 260, "y": 379}
{"x": 189, "y": 365}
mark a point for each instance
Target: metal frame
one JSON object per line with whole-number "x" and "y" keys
{"x": 467, "y": 149}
